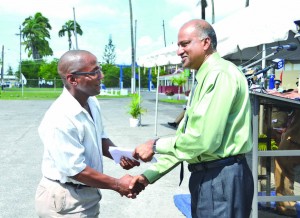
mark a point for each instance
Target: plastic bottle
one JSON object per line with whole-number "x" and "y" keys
{"x": 272, "y": 81}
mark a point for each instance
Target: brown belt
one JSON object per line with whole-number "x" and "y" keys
{"x": 216, "y": 163}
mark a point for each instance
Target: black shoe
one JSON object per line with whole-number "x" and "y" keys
{"x": 173, "y": 124}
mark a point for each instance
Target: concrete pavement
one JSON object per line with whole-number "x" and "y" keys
{"x": 21, "y": 154}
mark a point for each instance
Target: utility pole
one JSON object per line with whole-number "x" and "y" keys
{"x": 164, "y": 33}
{"x": 20, "y": 64}
{"x": 75, "y": 32}
{"x": 132, "y": 51}
{"x": 134, "y": 58}
{"x": 2, "y": 67}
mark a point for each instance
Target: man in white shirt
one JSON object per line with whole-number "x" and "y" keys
{"x": 75, "y": 143}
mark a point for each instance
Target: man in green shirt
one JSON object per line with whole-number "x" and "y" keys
{"x": 214, "y": 134}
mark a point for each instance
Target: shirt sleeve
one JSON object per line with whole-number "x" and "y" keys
{"x": 165, "y": 164}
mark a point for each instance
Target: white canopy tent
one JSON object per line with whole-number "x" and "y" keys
{"x": 245, "y": 35}
{"x": 242, "y": 35}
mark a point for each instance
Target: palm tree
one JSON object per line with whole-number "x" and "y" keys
{"x": 203, "y": 4}
{"x": 35, "y": 32}
{"x": 68, "y": 28}
{"x": 179, "y": 81}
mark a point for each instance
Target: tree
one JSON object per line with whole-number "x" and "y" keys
{"x": 109, "y": 55}
{"x": 35, "y": 33}
{"x": 179, "y": 81}
{"x": 68, "y": 28}
{"x": 49, "y": 70}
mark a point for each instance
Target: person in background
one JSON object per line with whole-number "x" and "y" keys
{"x": 74, "y": 145}
{"x": 180, "y": 116}
{"x": 178, "y": 119}
{"x": 215, "y": 133}
{"x": 285, "y": 165}
{"x": 277, "y": 86}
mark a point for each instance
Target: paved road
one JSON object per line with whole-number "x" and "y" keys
{"x": 21, "y": 153}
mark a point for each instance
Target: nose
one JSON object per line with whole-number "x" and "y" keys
{"x": 100, "y": 75}
{"x": 180, "y": 50}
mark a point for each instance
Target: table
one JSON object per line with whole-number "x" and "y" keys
{"x": 269, "y": 100}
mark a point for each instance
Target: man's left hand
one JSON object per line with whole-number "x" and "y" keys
{"x": 127, "y": 163}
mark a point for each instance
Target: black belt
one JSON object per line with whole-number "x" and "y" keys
{"x": 77, "y": 186}
{"x": 216, "y": 163}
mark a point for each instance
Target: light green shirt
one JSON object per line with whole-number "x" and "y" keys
{"x": 217, "y": 120}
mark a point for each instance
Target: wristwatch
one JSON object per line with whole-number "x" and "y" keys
{"x": 154, "y": 146}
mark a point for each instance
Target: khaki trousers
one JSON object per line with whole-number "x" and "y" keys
{"x": 54, "y": 199}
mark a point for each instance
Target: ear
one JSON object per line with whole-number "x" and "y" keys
{"x": 71, "y": 79}
{"x": 207, "y": 43}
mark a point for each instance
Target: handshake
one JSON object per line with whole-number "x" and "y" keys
{"x": 131, "y": 186}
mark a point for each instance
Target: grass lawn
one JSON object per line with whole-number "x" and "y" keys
{"x": 39, "y": 94}
{"x": 50, "y": 93}
{"x": 173, "y": 101}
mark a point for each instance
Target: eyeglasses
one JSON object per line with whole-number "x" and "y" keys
{"x": 93, "y": 73}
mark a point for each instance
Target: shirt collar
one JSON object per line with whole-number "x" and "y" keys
{"x": 72, "y": 105}
{"x": 206, "y": 66}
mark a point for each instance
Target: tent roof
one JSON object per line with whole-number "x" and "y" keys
{"x": 241, "y": 36}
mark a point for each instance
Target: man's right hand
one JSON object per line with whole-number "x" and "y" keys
{"x": 144, "y": 151}
{"x": 139, "y": 179}
{"x": 122, "y": 186}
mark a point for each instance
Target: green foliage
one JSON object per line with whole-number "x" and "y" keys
{"x": 68, "y": 28}
{"x": 109, "y": 56}
{"x": 179, "y": 81}
{"x": 173, "y": 101}
{"x": 30, "y": 70}
{"x": 48, "y": 70}
{"x": 35, "y": 33}
{"x": 111, "y": 75}
{"x": 262, "y": 143}
{"x": 135, "y": 108}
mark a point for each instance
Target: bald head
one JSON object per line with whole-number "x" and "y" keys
{"x": 75, "y": 60}
{"x": 203, "y": 29}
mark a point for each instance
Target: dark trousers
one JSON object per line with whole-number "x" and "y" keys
{"x": 225, "y": 191}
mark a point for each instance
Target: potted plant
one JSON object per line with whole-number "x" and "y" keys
{"x": 135, "y": 110}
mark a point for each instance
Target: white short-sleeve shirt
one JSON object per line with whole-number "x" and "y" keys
{"x": 72, "y": 138}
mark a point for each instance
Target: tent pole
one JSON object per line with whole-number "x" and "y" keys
{"x": 156, "y": 103}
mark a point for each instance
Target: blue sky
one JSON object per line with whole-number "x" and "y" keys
{"x": 101, "y": 18}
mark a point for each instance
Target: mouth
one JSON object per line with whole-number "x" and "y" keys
{"x": 183, "y": 59}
